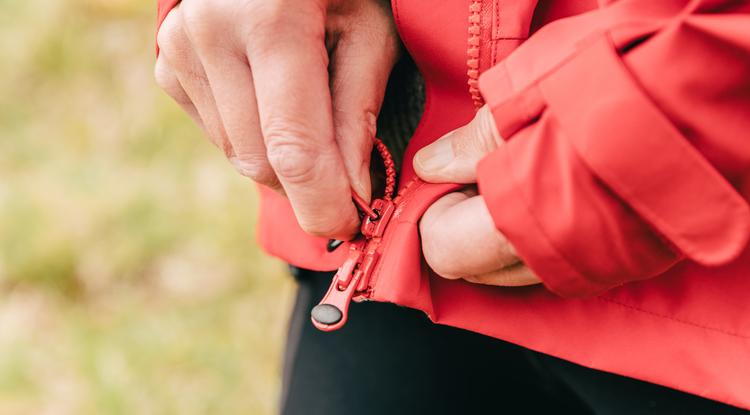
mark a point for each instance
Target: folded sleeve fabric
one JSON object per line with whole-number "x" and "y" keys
{"x": 627, "y": 142}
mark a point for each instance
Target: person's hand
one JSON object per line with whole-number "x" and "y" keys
{"x": 289, "y": 90}
{"x": 459, "y": 238}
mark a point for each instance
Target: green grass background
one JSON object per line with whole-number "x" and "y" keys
{"x": 130, "y": 282}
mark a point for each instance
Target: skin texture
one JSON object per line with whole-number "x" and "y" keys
{"x": 459, "y": 238}
{"x": 289, "y": 90}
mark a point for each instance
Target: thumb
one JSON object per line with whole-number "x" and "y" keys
{"x": 360, "y": 66}
{"x": 453, "y": 158}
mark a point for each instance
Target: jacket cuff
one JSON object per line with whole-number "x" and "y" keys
{"x": 595, "y": 186}
{"x": 508, "y": 202}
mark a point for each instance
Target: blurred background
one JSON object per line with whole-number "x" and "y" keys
{"x": 130, "y": 281}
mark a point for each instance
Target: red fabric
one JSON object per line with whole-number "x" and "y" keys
{"x": 598, "y": 186}
{"x": 624, "y": 182}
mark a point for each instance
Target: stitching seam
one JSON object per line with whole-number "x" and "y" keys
{"x": 685, "y": 322}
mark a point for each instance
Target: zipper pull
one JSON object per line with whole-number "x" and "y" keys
{"x": 333, "y": 310}
{"x": 354, "y": 275}
{"x": 376, "y": 220}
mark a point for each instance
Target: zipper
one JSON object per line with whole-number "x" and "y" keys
{"x": 472, "y": 52}
{"x": 352, "y": 280}
{"x": 355, "y": 279}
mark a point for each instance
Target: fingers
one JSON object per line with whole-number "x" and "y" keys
{"x": 177, "y": 51}
{"x": 167, "y": 81}
{"x": 453, "y": 158}
{"x": 255, "y": 74}
{"x": 291, "y": 82}
{"x": 517, "y": 275}
{"x": 459, "y": 240}
{"x": 228, "y": 74}
{"x": 361, "y": 65}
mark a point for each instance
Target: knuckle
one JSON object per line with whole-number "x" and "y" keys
{"x": 321, "y": 229}
{"x": 206, "y": 21}
{"x": 271, "y": 30}
{"x": 292, "y": 158}
{"x": 484, "y": 129}
{"x": 170, "y": 36}
{"x": 462, "y": 142}
{"x": 262, "y": 37}
{"x": 435, "y": 253}
{"x": 255, "y": 167}
{"x": 473, "y": 140}
{"x": 431, "y": 248}
{"x": 165, "y": 78}
{"x": 219, "y": 27}
{"x": 197, "y": 12}
{"x": 270, "y": 17}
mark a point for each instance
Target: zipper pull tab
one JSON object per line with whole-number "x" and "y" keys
{"x": 333, "y": 310}
{"x": 353, "y": 276}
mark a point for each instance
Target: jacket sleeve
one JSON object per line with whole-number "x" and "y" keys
{"x": 627, "y": 142}
{"x": 163, "y": 7}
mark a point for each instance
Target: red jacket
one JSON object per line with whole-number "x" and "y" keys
{"x": 624, "y": 183}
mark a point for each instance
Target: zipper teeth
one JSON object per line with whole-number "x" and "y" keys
{"x": 472, "y": 73}
{"x": 373, "y": 279}
{"x": 472, "y": 52}
{"x": 390, "y": 168}
{"x": 415, "y": 181}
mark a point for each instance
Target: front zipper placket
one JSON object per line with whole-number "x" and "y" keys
{"x": 354, "y": 279}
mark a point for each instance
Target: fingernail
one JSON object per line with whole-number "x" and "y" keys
{"x": 359, "y": 188}
{"x": 436, "y": 156}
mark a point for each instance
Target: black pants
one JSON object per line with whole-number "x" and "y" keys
{"x": 392, "y": 360}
